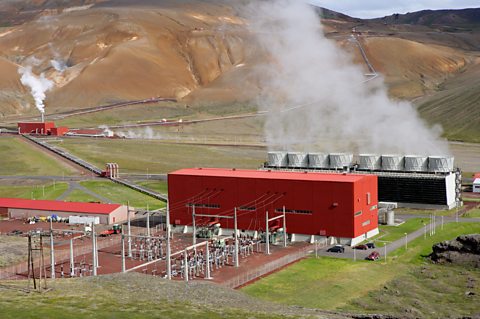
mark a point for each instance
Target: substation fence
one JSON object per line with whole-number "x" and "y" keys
{"x": 63, "y": 255}
{"x": 267, "y": 268}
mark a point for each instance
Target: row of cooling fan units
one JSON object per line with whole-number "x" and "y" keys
{"x": 366, "y": 162}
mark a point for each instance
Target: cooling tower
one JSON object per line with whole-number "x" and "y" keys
{"x": 297, "y": 160}
{"x": 442, "y": 164}
{"x": 369, "y": 162}
{"x": 277, "y": 159}
{"x": 393, "y": 163}
{"x": 318, "y": 160}
{"x": 416, "y": 163}
{"x": 340, "y": 160}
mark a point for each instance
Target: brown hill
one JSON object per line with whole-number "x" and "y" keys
{"x": 200, "y": 51}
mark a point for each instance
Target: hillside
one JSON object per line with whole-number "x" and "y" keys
{"x": 202, "y": 53}
{"x": 448, "y": 20}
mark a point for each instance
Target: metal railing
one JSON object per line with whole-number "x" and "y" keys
{"x": 267, "y": 268}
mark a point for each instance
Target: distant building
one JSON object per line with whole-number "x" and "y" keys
{"x": 16, "y": 208}
{"x": 41, "y": 128}
{"x": 476, "y": 183}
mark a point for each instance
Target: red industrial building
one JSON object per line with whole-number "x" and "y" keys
{"x": 16, "y": 208}
{"x": 340, "y": 207}
{"x": 41, "y": 128}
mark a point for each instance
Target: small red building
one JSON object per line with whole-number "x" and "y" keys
{"x": 59, "y": 131}
{"x": 41, "y": 128}
{"x": 341, "y": 207}
{"x": 17, "y": 208}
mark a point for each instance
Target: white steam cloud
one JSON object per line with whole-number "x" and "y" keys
{"x": 58, "y": 63}
{"x": 38, "y": 85}
{"x": 145, "y": 133}
{"x": 316, "y": 97}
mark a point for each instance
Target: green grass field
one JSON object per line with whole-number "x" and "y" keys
{"x": 130, "y": 296}
{"x": 80, "y": 196}
{"x": 336, "y": 284}
{"x": 153, "y": 156}
{"x": 20, "y": 158}
{"x": 157, "y": 186}
{"x": 120, "y": 194}
{"x": 133, "y": 113}
{"x": 47, "y": 191}
{"x": 425, "y": 212}
{"x": 473, "y": 213}
{"x": 392, "y": 233}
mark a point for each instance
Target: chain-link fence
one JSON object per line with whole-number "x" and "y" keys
{"x": 267, "y": 268}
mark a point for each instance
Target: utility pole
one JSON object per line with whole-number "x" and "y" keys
{"x": 94, "y": 257}
{"x": 284, "y": 228}
{"x": 168, "y": 253}
{"x": 148, "y": 222}
{"x": 236, "y": 237}
{"x": 185, "y": 265}
{"x": 406, "y": 241}
{"x": 123, "y": 253}
{"x": 72, "y": 261}
{"x": 207, "y": 256}
{"x": 267, "y": 238}
{"x": 194, "y": 239}
{"x": 129, "y": 231}
{"x": 385, "y": 248}
{"x": 52, "y": 250}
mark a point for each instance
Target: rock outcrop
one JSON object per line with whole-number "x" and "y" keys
{"x": 464, "y": 250}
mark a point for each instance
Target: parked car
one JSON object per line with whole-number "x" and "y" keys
{"x": 374, "y": 255}
{"x": 370, "y": 245}
{"x": 336, "y": 249}
{"x": 361, "y": 247}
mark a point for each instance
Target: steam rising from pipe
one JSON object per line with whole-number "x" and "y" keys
{"x": 317, "y": 99}
{"x": 38, "y": 85}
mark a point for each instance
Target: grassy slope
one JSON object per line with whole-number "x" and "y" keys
{"x": 392, "y": 233}
{"x": 20, "y": 158}
{"x": 129, "y": 114}
{"x": 13, "y": 249}
{"x": 330, "y": 283}
{"x": 158, "y": 186}
{"x": 36, "y": 192}
{"x": 138, "y": 155}
{"x": 455, "y": 106}
{"x": 473, "y": 213}
{"x": 121, "y": 194}
{"x": 80, "y": 196}
{"x": 132, "y": 296}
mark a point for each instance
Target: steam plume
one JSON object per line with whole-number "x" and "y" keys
{"x": 315, "y": 95}
{"x": 38, "y": 85}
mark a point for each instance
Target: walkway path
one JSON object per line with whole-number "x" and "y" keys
{"x": 361, "y": 254}
{"x": 72, "y": 186}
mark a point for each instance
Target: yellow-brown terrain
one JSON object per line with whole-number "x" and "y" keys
{"x": 199, "y": 52}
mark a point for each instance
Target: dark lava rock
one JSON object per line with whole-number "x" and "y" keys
{"x": 464, "y": 250}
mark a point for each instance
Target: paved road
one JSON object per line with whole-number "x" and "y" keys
{"x": 45, "y": 178}
{"x": 361, "y": 254}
